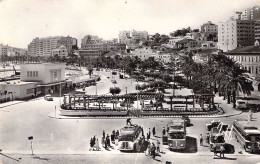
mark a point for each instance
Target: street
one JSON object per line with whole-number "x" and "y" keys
{"x": 70, "y": 138}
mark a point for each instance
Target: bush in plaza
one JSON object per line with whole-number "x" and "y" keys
{"x": 114, "y": 90}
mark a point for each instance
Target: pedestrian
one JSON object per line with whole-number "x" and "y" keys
{"x": 149, "y": 132}
{"x": 215, "y": 149}
{"x": 91, "y": 142}
{"x": 153, "y": 150}
{"x": 208, "y": 136}
{"x": 117, "y": 134}
{"x": 158, "y": 146}
{"x": 250, "y": 115}
{"x": 163, "y": 131}
{"x": 97, "y": 145}
{"x": 154, "y": 131}
{"x": 112, "y": 138}
{"x": 128, "y": 121}
{"x": 108, "y": 141}
{"x": 148, "y": 136}
{"x": 201, "y": 140}
{"x": 147, "y": 152}
{"x": 222, "y": 151}
{"x": 104, "y": 134}
{"x": 142, "y": 131}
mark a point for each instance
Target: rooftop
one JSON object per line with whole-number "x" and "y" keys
{"x": 248, "y": 49}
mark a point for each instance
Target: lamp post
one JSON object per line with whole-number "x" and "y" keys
{"x": 137, "y": 94}
{"x": 30, "y": 139}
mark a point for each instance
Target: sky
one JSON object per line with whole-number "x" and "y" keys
{"x": 23, "y": 20}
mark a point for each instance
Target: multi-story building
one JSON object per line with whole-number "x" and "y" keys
{"x": 257, "y": 29}
{"x": 209, "y": 28}
{"x": 138, "y": 36}
{"x": 187, "y": 43}
{"x": 61, "y": 52}
{"x": 6, "y": 50}
{"x": 44, "y": 46}
{"x": 144, "y": 53}
{"x": 90, "y": 53}
{"x": 124, "y": 37}
{"x": 128, "y": 37}
{"x": 251, "y": 13}
{"x": 249, "y": 58}
{"x": 235, "y": 33}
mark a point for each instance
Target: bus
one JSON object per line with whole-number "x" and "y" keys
{"x": 176, "y": 134}
{"x": 130, "y": 137}
{"x": 247, "y": 135}
{"x": 217, "y": 138}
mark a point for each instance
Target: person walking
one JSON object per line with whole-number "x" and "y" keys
{"x": 222, "y": 151}
{"x": 104, "y": 134}
{"x": 158, "y": 146}
{"x": 201, "y": 140}
{"x": 108, "y": 141}
{"x": 147, "y": 152}
{"x": 97, "y": 145}
{"x": 154, "y": 131}
{"x": 153, "y": 150}
{"x": 163, "y": 131}
{"x": 208, "y": 136}
{"x": 149, "y": 132}
{"x": 215, "y": 149}
{"x": 91, "y": 144}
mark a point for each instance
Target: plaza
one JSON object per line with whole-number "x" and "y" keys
{"x": 66, "y": 139}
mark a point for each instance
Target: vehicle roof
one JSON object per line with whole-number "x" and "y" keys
{"x": 129, "y": 130}
{"x": 252, "y": 131}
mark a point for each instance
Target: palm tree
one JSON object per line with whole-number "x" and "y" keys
{"x": 231, "y": 78}
{"x": 114, "y": 91}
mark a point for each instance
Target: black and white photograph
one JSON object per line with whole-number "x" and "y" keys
{"x": 129, "y": 81}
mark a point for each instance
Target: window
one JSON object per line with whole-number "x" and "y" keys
{"x": 28, "y": 74}
{"x": 36, "y": 73}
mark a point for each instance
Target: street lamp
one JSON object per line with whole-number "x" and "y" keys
{"x": 30, "y": 139}
{"x": 137, "y": 94}
{"x": 60, "y": 90}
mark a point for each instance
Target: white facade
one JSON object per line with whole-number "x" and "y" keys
{"x": 61, "y": 52}
{"x": 172, "y": 42}
{"x": 15, "y": 90}
{"x": 44, "y": 73}
{"x": 144, "y": 53}
{"x": 124, "y": 37}
{"x": 163, "y": 57}
{"x": 235, "y": 33}
{"x": 44, "y": 46}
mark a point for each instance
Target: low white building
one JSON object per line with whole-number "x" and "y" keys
{"x": 144, "y": 53}
{"x": 17, "y": 90}
{"x": 60, "y": 51}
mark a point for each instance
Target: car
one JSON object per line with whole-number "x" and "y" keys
{"x": 114, "y": 81}
{"x": 114, "y": 73}
{"x": 48, "y": 98}
{"x": 241, "y": 104}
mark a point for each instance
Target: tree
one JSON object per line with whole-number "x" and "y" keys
{"x": 114, "y": 91}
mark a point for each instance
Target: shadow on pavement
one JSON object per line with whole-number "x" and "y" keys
{"x": 191, "y": 145}
{"x": 18, "y": 160}
{"x": 37, "y": 157}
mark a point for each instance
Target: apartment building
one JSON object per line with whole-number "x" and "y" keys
{"x": 128, "y": 37}
{"x": 251, "y": 13}
{"x": 235, "y": 33}
{"x": 44, "y": 46}
{"x": 209, "y": 28}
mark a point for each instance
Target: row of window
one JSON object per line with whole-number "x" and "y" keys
{"x": 32, "y": 73}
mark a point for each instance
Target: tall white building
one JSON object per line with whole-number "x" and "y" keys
{"x": 128, "y": 37}
{"x": 44, "y": 46}
{"x": 235, "y": 33}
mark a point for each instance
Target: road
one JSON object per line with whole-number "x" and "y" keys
{"x": 67, "y": 140}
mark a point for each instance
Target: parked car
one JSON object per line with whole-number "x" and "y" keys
{"x": 48, "y": 98}
{"x": 241, "y": 104}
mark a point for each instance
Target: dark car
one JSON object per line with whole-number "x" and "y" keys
{"x": 114, "y": 73}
